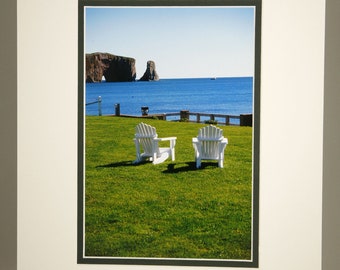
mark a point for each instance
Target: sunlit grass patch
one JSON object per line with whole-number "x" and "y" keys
{"x": 170, "y": 210}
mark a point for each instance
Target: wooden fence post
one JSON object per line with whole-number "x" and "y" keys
{"x": 198, "y": 118}
{"x": 227, "y": 120}
{"x": 246, "y": 120}
{"x": 184, "y": 114}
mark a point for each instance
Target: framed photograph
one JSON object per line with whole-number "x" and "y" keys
{"x": 168, "y": 136}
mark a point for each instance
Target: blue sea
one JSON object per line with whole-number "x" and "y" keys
{"x": 232, "y": 96}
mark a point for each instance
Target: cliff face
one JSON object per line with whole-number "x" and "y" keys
{"x": 150, "y": 74}
{"x": 114, "y": 68}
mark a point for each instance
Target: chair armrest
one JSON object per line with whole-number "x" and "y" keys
{"x": 166, "y": 139}
{"x": 225, "y": 140}
{"x": 172, "y": 141}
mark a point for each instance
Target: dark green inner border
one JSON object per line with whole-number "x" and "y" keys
{"x": 256, "y": 161}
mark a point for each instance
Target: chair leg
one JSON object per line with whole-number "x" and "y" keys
{"x": 198, "y": 163}
{"x": 154, "y": 158}
{"x": 221, "y": 160}
{"x": 172, "y": 153}
{"x": 197, "y": 159}
{"x": 138, "y": 155}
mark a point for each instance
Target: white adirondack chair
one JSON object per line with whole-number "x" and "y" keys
{"x": 146, "y": 140}
{"x": 209, "y": 145}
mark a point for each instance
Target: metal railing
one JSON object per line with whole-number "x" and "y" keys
{"x": 97, "y": 101}
{"x": 187, "y": 116}
{"x": 204, "y": 117}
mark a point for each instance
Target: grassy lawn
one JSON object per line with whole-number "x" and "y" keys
{"x": 170, "y": 210}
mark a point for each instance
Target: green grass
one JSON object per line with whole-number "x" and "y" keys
{"x": 170, "y": 210}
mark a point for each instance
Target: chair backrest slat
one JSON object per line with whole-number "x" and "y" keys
{"x": 210, "y": 133}
{"x": 210, "y": 136}
{"x": 146, "y": 133}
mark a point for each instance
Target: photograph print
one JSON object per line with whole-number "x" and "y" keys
{"x": 168, "y": 133}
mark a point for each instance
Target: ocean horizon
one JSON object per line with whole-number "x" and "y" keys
{"x": 221, "y": 95}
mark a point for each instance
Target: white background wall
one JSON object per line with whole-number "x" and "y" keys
{"x": 291, "y": 178}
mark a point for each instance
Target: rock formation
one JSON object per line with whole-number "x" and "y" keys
{"x": 114, "y": 68}
{"x": 150, "y": 74}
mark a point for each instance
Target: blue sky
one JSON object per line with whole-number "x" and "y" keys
{"x": 184, "y": 42}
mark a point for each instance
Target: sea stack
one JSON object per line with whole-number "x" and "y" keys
{"x": 114, "y": 68}
{"x": 150, "y": 74}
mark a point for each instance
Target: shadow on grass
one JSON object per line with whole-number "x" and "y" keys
{"x": 188, "y": 166}
{"x": 171, "y": 168}
{"x": 178, "y": 167}
{"x": 122, "y": 164}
